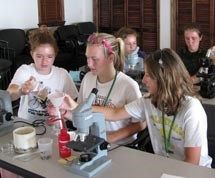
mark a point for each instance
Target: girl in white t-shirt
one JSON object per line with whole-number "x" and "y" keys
{"x": 32, "y": 83}
{"x": 105, "y": 56}
{"x": 176, "y": 120}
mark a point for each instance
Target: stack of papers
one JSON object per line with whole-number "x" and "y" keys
{"x": 170, "y": 176}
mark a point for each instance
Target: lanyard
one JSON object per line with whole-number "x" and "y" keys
{"x": 109, "y": 92}
{"x": 167, "y": 140}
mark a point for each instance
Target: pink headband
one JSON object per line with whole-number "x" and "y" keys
{"x": 95, "y": 40}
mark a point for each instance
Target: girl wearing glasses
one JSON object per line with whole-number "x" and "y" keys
{"x": 134, "y": 57}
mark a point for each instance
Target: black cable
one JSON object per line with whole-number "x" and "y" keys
{"x": 36, "y": 123}
{"x": 109, "y": 150}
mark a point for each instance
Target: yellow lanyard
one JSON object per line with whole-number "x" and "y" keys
{"x": 167, "y": 140}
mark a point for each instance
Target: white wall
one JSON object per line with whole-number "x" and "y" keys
{"x": 24, "y": 13}
{"x": 165, "y": 14}
{"x": 78, "y": 11}
{"x": 18, "y": 14}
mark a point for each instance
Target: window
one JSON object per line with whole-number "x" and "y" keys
{"x": 141, "y": 15}
{"x": 51, "y": 12}
{"x": 199, "y": 11}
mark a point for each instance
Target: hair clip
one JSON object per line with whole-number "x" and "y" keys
{"x": 107, "y": 45}
{"x": 96, "y": 39}
{"x": 160, "y": 61}
{"x": 158, "y": 58}
{"x": 92, "y": 38}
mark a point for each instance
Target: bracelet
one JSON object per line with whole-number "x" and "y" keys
{"x": 64, "y": 113}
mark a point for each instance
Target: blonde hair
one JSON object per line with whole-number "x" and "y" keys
{"x": 111, "y": 45}
{"x": 42, "y": 36}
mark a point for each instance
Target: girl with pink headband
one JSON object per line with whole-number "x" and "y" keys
{"x": 105, "y": 59}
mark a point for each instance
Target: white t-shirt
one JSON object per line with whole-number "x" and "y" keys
{"x": 124, "y": 91}
{"x": 32, "y": 107}
{"x": 189, "y": 129}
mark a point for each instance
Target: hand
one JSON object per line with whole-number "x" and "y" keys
{"x": 28, "y": 86}
{"x": 68, "y": 103}
{"x": 51, "y": 110}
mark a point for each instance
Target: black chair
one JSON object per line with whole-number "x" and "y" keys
{"x": 67, "y": 39}
{"x": 85, "y": 29}
{"x": 65, "y": 32}
{"x": 5, "y": 73}
{"x": 18, "y": 47}
{"x": 143, "y": 142}
{"x": 4, "y": 50}
{"x": 210, "y": 111}
{"x": 70, "y": 54}
{"x": 5, "y": 65}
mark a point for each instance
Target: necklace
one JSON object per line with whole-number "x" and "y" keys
{"x": 109, "y": 92}
{"x": 167, "y": 139}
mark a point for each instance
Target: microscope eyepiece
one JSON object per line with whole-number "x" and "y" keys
{"x": 94, "y": 90}
{"x": 8, "y": 116}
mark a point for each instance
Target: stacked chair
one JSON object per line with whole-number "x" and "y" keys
{"x": 72, "y": 40}
{"x": 18, "y": 48}
{"x": 5, "y": 65}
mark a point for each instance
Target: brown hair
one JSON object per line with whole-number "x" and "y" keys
{"x": 125, "y": 31}
{"x": 42, "y": 36}
{"x": 193, "y": 26}
{"x": 111, "y": 45}
{"x": 173, "y": 80}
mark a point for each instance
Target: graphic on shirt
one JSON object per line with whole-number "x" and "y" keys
{"x": 158, "y": 123}
{"x": 177, "y": 131}
{"x": 38, "y": 100}
{"x": 100, "y": 100}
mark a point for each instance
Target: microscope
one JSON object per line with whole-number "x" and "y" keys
{"x": 207, "y": 76}
{"x": 132, "y": 68}
{"x": 91, "y": 135}
{"x": 133, "y": 59}
{"x": 6, "y": 121}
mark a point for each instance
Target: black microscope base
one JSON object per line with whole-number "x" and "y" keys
{"x": 90, "y": 170}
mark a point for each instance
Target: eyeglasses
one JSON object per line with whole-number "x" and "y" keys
{"x": 130, "y": 43}
{"x": 158, "y": 57}
{"x": 96, "y": 39}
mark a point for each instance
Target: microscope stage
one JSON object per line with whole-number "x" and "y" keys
{"x": 90, "y": 143}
